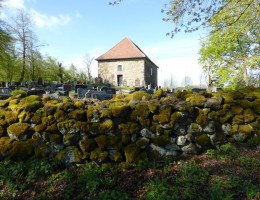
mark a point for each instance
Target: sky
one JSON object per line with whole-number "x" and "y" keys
{"x": 71, "y": 29}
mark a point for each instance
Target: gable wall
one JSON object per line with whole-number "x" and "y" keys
{"x": 132, "y": 69}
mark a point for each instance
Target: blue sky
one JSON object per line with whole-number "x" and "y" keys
{"x": 74, "y": 28}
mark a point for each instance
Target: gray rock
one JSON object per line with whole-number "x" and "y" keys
{"x": 226, "y": 128}
{"x": 146, "y": 133}
{"x": 162, "y": 151}
{"x": 240, "y": 137}
{"x": 190, "y": 148}
{"x": 189, "y": 137}
{"x": 214, "y": 103}
{"x": 181, "y": 140}
{"x": 172, "y": 147}
{"x": 210, "y": 127}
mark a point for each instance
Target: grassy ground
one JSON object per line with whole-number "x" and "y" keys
{"x": 228, "y": 172}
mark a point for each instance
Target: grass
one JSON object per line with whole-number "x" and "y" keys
{"x": 226, "y": 172}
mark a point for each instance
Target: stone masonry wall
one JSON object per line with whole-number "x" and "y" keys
{"x": 131, "y": 70}
{"x": 127, "y": 129}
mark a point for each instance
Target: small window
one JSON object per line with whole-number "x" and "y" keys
{"x": 151, "y": 71}
{"x": 119, "y": 68}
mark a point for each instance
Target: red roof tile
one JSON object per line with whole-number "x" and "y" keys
{"x": 124, "y": 49}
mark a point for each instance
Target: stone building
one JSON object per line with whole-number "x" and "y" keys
{"x": 127, "y": 65}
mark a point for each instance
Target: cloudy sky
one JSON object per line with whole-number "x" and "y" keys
{"x": 73, "y": 28}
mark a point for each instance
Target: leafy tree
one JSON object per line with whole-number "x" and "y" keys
{"x": 231, "y": 53}
{"x": 88, "y": 61}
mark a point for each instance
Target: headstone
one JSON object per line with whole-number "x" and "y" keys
{"x": 80, "y": 86}
{"x": 111, "y": 91}
{"x": 63, "y": 93}
{"x": 198, "y": 90}
{"x": 35, "y": 92}
{"x": 104, "y": 89}
{"x": 81, "y": 92}
{"x": 5, "y": 92}
{"x": 67, "y": 87}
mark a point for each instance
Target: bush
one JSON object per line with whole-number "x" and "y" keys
{"x": 18, "y": 92}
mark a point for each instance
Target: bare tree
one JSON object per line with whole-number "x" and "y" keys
{"x": 22, "y": 32}
{"x": 88, "y": 61}
{"x": 187, "y": 81}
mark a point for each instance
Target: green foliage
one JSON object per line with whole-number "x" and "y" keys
{"x": 113, "y": 195}
{"x": 222, "y": 152}
{"x": 19, "y": 92}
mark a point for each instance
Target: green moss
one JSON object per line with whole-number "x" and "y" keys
{"x": 52, "y": 128}
{"x": 70, "y": 139}
{"x": 247, "y": 129}
{"x": 214, "y": 115}
{"x": 195, "y": 128}
{"x": 33, "y": 106}
{"x": 132, "y": 153}
{"x": 48, "y": 120}
{"x": 119, "y": 109}
{"x": 236, "y": 110}
{"x": 153, "y": 106}
{"x": 196, "y": 99}
{"x": 164, "y": 115}
{"x": 238, "y": 119}
{"x": 103, "y": 141}
{"x": 60, "y": 116}
{"x": 19, "y": 131}
{"x": 116, "y": 157}
{"x": 25, "y": 116}
{"x": 141, "y": 111}
{"x": 106, "y": 126}
{"x": 15, "y": 149}
{"x": 139, "y": 95}
{"x": 249, "y": 116}
{"x": 87, "y": 145}
{"x": 158, "y": 94}
{"x": 42, "y": 150}
{"x": 39, "y": 128}
{"x": 30, "y": 99}
{"x": 4, "y": 103}
{"x": 219, "y": 138}
{"x": 80, "y": 104}
{"x": 36, "y": 119}
{"x": 49, "y": 110}
{"x": 161, "y": 140}
{"x": 203, "y": 140}
{"x": 99, "y": 155}
{"x": 145, "y": 122}
{"x": 2, "y": 131}
{"x": 225, "y": 118}
{"x": 202, "y": 118}
{"x": 69, "y": 155}
{"x": 56, "y": 139}
{"x": 79, "y": 115}
{"x": 234, "y": 128}
{"x": 105, "y": 113}
{"x": 11, "y": 117}
{"x": 256, "y": 105}
{"x": 129, "y": 128}
{"x": 142, "y": 142}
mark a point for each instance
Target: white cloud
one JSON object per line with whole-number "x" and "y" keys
{"x": 42, "y": 20}
{"x": 16, "y": 4}
{"x": 77, "y": 14}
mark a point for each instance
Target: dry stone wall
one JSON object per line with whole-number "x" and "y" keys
{"x": 126, "y": 129}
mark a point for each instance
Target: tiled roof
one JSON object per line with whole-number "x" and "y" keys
{"x": 124, "y": 49}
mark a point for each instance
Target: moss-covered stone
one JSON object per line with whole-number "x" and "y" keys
{"x": 68, "y": 127}
{"x": 132, "y": 153}
{"x": 87, "y": 145}
{"x": 2, "y": 131}
{"x": 196, "y": 99}
{"x": 256, "y": 105}
{"x": 19, "y": 131}
{"x": 218, "y": 138}
{"x": 164, "y": 114}
{"x": 115, "y": 155}
{"x": 79, "y": 104}
{"x": 48, "y": 120}
{"x": 15, "y": 149}
{"x": 158, "y": 94}
{"x": 4, "y": 103}
{"x": 60, "y": 115}
{"x": 42, "y": 150}
{"x": 70, "y": 139}
{"x": 106, "y": 126}
{"x": 55, "y": 139}
{"x": 49, "y": 110}
{"x": 141, "y": 111}
{"x": 238, "y": 119}
{"x": 161, "y": 140}
{"x": 249, "y": 115}
{"x": 69, "y": 156}
{"x": 202, "y": 118}
{"x": 52, "y": 128}
{"x": 203, "y": 140}
{"x": 25, "y": 116}
{"x": 139, "y": 95}
{"x": 33, "y": 106}
{"x": 247, "y": 129}
{"x": 11, "y": 117}
{"x": 98, "y": 155}
{"x": 105, "y": 113}
{"x": 194, "y": 128}
{"x": 119, "y": 109}
{"x": 142, "y": 142}
{"x": 39, "y": 128}
{"x": 227, "y": 117}
{"x": 78, "y": 115}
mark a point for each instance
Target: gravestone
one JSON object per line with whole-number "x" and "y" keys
{"x": 67, "y": 87}
{"x": 5, "y": 93}
{"x": 80, "y": 86}
{"x": 38, "y": 92}
{"x": 81, "y": 92}
{"x": 111, "y": 91}
{"x": 198, "y": 90}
